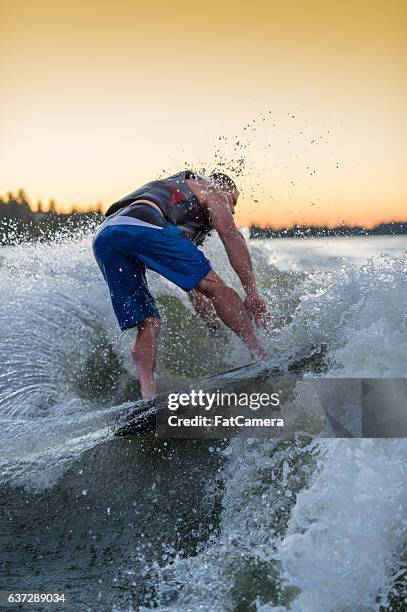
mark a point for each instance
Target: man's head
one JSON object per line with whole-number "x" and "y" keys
{"x": 224, "y": 183}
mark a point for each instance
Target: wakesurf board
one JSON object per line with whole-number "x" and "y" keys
{"x": 139, "y": 418}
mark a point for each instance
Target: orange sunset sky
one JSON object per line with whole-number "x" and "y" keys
{"x": 304, "y": 103}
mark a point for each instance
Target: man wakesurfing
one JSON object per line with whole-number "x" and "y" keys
{"x": 159, "y": 226}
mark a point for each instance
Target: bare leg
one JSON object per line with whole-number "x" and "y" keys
{"x": 231, "y": 310}
{"x": 204, "y": 308}
{"x": 144, "y": 353}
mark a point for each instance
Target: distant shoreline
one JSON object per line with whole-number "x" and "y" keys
{"x": 395, "y": 228}
{"x": 19, "y": 223}
{"x": 45, "y": 226}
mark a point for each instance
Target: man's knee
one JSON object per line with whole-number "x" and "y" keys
{"x": 211, "y": 285}
{"x": 147, "y": 333}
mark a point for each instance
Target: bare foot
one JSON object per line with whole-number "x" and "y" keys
{"x": 258, "y": 352}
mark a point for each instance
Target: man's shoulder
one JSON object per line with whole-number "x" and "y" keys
{"x": 199, "y": 188}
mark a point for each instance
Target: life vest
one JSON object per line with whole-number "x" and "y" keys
{"x": 176, "y": 201}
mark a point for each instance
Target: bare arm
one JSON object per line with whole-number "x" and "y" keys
{"x": 232, "y": 239}
{"x": 238, "y": 254}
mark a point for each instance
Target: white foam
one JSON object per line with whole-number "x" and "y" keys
{"x": 340, "y": 548}
{"x": 315, "y": 527}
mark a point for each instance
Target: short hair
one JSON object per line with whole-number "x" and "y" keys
{"x": 223, "y": 181}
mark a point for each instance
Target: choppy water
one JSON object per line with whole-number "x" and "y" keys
{"x": 129, "y": 524}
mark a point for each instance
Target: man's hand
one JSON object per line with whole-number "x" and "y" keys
{"x": 257, "y": 308}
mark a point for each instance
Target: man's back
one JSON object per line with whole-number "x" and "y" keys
{"x": 178, "y": 197}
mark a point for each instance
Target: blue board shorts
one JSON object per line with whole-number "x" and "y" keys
{"x": 125, "y": 247}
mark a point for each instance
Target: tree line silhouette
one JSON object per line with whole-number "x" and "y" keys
{"x": 19, "y": 222}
